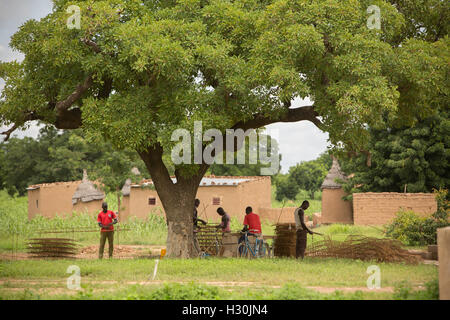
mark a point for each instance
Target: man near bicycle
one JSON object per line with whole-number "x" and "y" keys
{"x": 196, "y": 219}
{"x": 302, "y": 230}
{"x": 252, "y": 224}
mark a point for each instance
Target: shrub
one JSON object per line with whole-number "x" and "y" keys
{"x": 414, "y": 230}
{"x": 404, "y": 291}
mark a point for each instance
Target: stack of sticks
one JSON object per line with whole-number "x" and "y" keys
{"x": 362, "y": 248}
{"x": 284, "y": 240}
{"x": 61, "y": 248}
{"x": 209, "y": 239}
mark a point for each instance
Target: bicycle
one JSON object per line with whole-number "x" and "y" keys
{"x": 260, "y": 249}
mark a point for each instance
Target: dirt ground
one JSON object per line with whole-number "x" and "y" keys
{"x": 91, "y": 252}
{"x": 120, "y": 252}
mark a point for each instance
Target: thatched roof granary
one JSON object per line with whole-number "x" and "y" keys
{"x": 334, "y": 208}
{"x": 334, "y": 174}
{"x": 86, "y": 191}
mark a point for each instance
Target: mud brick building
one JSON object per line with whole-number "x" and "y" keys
{"x": 62, "y": 198}
{"x": 234, "y": 194}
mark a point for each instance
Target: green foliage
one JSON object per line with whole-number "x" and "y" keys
{"x": 443, "y": 204}
{"x": 414, "y": 230}
{"x": 248, "y": 168}
{"x": 418, "y": 157}
{"x": 286, "y": 188}
{"x": 225, "y": 62}
{"x": 307, "y": 175}
{"x": 62, "y": 156}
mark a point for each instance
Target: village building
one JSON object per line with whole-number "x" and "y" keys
{"x": 334, "y": 208}
{"x": 62, "y": 198}
{"x": 234, "y": 194}
{"x": 87, "y": 198}
{"x": 368, "y": 208}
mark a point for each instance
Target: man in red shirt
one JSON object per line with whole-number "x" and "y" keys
{"x": 252, "y": 224}
{"x": 106, "y": 219}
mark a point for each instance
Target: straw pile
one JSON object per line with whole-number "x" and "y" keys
{"x": 284, "y": 241}
{"x": 363, "y": 248}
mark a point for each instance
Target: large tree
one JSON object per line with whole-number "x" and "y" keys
{"x": 136, "y": 70}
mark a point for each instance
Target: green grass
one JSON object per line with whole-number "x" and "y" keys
{"x": 14, "y": 223}
{"x": 264, "y": 273}
{"x": 185, "y": 279}
{"x": 190, "y": 291}
{"x": 309, "y": 272}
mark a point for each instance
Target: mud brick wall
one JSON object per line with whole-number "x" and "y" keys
{"x": 372, "y": 208}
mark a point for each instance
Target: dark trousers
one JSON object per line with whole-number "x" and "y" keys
{"x": 300, "y": 244}
{"x": 103, "y": 236}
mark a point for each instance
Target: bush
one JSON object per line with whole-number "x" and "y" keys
{"x": 404, "y": 291}
{"x": 413, "y": 230}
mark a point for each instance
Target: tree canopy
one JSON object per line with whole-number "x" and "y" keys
{"x": 416, "y": 157}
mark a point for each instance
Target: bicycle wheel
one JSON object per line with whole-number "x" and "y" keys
{"x": 242, "y": 251}
{"x": 268, "y": 251}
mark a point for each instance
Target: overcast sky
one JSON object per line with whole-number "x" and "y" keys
{"x": 299, "y": 141}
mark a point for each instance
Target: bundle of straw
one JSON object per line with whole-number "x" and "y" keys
{"x": 363, "y": 248}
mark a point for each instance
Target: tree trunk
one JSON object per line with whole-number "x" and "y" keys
{"x": 177, "y": 200}
{"x": 180, "y": 230}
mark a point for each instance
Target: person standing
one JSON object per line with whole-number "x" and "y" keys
{"x": 106, "y": 219}
{"x": 302, "y": 230}
{"x": 196, "y": 219}
{"x": 225, "y": 223}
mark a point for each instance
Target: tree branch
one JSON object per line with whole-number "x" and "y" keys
{"x": 92, "y": 44}
{"x": 72, "y": 98}
{"x": 8, "y": 132}
{"x": 291, "y": 115}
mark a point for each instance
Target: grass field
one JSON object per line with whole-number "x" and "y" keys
{"x": 213, "y": 278}
{"x": 229, "y": 278}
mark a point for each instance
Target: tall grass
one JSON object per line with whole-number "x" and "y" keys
{"x": 14, "y": 222}
{"x": 152, "y": 230}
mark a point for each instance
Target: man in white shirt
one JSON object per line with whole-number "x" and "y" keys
{"x": 302, "y": 229}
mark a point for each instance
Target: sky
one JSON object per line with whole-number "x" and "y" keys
{"x": 298, "y": 141}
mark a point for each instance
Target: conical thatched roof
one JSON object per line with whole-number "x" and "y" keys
{"x": 87, "y": 191}
{"x": 334, "y": 173}
{"x": 135, "y": 171}
{"x": 126, "y": 188}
